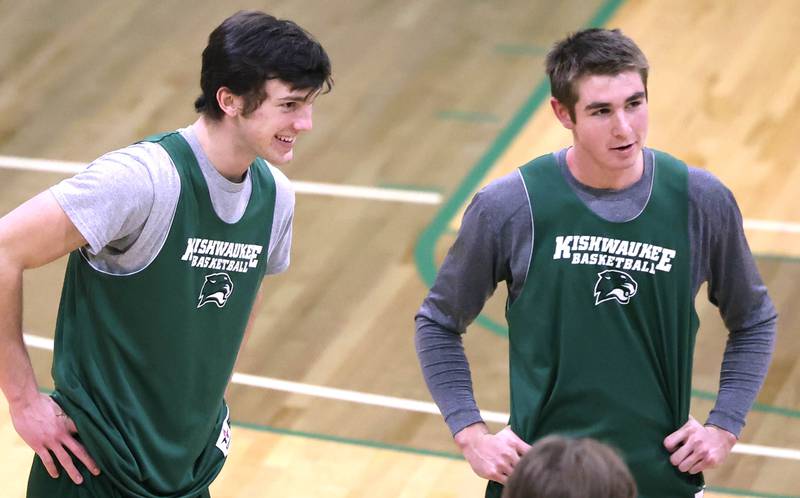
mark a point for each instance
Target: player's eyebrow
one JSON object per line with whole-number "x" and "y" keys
{"x": 300, "y": 97}
{"x": 599, "y": 105}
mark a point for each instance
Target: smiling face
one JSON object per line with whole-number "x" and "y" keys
{"x": 609, "y": 129}
{"x": 270, "y": 131}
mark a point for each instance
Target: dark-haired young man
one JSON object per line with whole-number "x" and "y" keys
{"x": 170, "y": 239}
{"x": 603, "y": 247}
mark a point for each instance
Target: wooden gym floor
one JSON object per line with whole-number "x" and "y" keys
{"x": 434, "y": 96}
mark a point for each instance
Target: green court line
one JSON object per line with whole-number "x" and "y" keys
{"x": 468, "y": 116}
{"x": 351, "y": 441}
{"x": 440, "y": 454}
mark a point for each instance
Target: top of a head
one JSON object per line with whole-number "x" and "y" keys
{"x": 562, "y": 467}
{"x": 592, "y": 51}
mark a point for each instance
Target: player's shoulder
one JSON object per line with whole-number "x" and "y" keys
{"x": 140, "y": 157}
{"x": 708, "y": 195}
{"x": 704, "y": 179}
{"x": 133, "y": 170}
{"x": 704, "y": 183}
{"x": 139, "y": 163}
{"x": 502, "y": 198}
{"x": 500, "y": 191}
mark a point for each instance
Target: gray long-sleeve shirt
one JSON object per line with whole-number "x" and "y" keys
{"x": 494, "y": 245}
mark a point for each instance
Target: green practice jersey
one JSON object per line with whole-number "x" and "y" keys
{"x": 142, "y": 360}
{"x": 602, "y": 335}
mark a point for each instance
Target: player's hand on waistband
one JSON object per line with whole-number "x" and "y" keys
{"x": 696, "y": 447}
{"x": 45, "y": 427}
{"x": 491, "y": 456}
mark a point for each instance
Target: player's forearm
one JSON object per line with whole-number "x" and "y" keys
{"x": 17, "y": 379}
{"x": 744, "y": 367}
{"x": 446, "y": 371}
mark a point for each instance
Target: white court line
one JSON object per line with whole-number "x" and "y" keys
{"x": 402, "y": 403}
{"x": 772, "y": 226}
{"x": 353, "y": 396}
{"x": 372, "y": 193}
{"x": 348, "y": 191}
{"x": 754, "y": 449}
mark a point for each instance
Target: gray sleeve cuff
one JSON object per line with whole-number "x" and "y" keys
{"x": 723, "y": 421}
{"x": 460, "y": 420}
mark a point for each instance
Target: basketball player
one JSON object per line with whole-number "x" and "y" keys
{"x": 562, "y": 467}
{"x": 169, "y": 240}
{"x": 603, "y": 247}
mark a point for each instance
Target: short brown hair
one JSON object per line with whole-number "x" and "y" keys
{"x": 562, "y": 467}
{"x": 591, "y": 52}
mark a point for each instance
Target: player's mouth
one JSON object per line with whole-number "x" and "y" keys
{"x": 624, "y": 148}
{"x": 285, "y": 139}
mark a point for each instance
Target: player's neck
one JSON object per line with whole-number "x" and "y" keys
{"x": 592, "y": 174}
{"x": 223, "y": 150}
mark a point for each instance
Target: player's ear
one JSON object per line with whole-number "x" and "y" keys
{"x": 562, "y": 113}
{"x": 230, "y": 103}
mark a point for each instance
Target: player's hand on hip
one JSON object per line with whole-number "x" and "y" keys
{"x": 491, "y": 456}
{"x": 45, "y": 427}
{"x": 695, "y": 447}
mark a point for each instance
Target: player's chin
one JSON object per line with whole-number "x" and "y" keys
{"x": 279, "y": 158}
{"x": 626, "y": 158}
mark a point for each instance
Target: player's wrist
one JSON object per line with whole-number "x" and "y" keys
{"x": 21, "y": 402}
{"x": 467, "y": 436}
{"x": 21, "y": 395}
{"x": 730, "y": 437}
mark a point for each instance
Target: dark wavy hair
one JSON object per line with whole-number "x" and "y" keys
{"x": 591, "y": 52}
{"x": 251, "y": 47}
